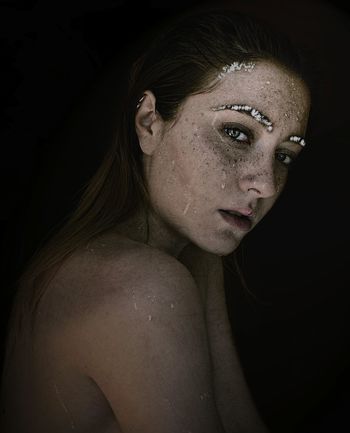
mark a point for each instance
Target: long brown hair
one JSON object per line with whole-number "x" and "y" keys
{"x": 182, "y": 58}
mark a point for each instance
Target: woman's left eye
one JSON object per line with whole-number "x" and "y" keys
{"x": 236, "y": 134}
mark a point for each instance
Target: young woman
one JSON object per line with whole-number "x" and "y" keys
{"x": 120, "y": 322}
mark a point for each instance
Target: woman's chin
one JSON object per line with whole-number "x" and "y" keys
{"x": 220, "y": 248}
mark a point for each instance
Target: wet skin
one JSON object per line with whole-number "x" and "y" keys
{"x": 206, "y": 160}
{"x": 118, "y": 305}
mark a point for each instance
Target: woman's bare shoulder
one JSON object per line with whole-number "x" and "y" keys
{"x": 130, "y": 318}
{"x": 111, "y": 270}
{"x": 141, "y": 337}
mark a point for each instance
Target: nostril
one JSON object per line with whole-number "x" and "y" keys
{"x": 254, "y": 189}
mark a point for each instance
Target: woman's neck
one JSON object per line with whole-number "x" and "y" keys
{"x": 148, "y": 228}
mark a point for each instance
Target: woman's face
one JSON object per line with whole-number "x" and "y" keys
{"x": 227, "y": 150}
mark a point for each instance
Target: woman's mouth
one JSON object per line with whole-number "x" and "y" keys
{"x": 236, "y": 219}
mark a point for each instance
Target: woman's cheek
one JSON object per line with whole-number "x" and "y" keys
{"x": 281, "y": 177}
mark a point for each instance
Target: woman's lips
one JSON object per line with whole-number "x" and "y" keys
{"x": 236, "y": 220}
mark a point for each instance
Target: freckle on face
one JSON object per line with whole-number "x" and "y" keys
{"x": 209, "y": 167}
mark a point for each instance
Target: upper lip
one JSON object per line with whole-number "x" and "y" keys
{"x": 245, "y": 211}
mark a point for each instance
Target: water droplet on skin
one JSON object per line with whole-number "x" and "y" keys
{"x": 149, "y": 317}
{"x": 88, "y": 248}
{"x": 268, "y": 82}
{"x": 171, "y": 305}
{"x": 172, "y": 162}
{"x": 133, "y": 297}
{"x": 205, "y": 395}
{"x": 186, "y": 208}
{"x": 223, "y": 185}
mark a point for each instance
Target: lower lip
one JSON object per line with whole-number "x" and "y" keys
{"x": 242, "y": 223}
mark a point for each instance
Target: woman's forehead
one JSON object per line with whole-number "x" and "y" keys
{"x": 265, "y": 81}
{"x": 266, "y": 87}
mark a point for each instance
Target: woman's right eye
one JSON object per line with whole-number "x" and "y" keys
{"x": 236, "y": 134}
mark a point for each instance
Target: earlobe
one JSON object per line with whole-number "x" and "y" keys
{"x": 147, "y": 122}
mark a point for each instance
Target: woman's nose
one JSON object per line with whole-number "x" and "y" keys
{"x": 262, "y": 183}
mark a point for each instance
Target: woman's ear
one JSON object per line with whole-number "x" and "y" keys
{"x": 148, "y": 123}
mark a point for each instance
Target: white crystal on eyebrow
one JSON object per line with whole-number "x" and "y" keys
{"x": 236, "y": 66}
{"x": 252, "y": 111}
{"x": 298, "y": 140}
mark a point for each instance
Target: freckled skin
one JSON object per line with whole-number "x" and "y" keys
{"x": 85, "y": 329}
{"x": 202, "y": 152}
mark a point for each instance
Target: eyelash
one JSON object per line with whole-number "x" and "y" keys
{"x": 230, "y": 130}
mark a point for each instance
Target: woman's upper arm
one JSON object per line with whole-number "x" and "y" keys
{"x": 146, "y": 348}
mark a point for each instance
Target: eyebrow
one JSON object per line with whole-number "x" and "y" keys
{"x": 297, "y": 139}
{"x": 259, "y": 117}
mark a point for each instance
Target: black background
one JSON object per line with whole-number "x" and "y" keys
{"x": 63, "y": 65}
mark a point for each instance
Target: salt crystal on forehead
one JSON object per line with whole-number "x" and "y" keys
{"x": 236, "y": 66}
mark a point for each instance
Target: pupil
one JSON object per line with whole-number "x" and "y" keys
{"x": 233, "y": 132}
